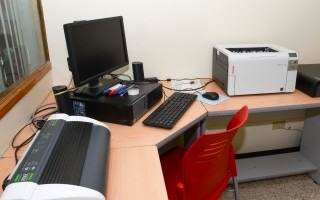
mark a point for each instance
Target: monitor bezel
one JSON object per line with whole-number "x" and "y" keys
{"x": 72, "y": 61}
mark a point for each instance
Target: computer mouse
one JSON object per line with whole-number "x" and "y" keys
{"x": 210, "y": 95}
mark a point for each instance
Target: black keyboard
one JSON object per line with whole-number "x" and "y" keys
{"x": 170, "y": 111}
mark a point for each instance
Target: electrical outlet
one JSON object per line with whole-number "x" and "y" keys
{"x": 278, "y": 125}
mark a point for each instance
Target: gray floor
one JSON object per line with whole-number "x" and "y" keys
{"x": 299, "y": 187}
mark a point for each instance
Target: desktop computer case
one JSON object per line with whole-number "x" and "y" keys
{"x": 117, "y": 109}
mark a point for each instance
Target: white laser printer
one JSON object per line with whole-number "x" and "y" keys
{"x": 241, "y": 69}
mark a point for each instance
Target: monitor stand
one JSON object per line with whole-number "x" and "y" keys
{"x": 96, "y": 90}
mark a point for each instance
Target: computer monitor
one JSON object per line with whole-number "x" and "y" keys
{"x": 96, "y": 48}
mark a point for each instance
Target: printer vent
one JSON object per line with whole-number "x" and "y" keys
{"x": 252, "y": 50}
{"x": 67, "y": 159}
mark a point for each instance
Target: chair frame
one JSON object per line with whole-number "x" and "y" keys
{"x": 207, "y": 152}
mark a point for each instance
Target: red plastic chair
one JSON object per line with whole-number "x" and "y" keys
{"x": 204, "y": 170}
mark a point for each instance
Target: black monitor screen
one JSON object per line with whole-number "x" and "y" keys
{"x": 96, "y": 48}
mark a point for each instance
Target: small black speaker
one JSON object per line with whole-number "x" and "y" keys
{"x": 138, "y": 73}
{"x": 63, "y": 100}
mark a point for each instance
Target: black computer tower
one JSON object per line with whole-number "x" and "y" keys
{"x": 126, "y": 109}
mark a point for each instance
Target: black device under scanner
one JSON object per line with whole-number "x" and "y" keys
{"x": 308, "y": 79}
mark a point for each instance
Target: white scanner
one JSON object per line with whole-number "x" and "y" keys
{"x": 242, "y": 69}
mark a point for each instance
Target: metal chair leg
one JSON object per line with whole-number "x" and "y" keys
{"x": 236, "y": 188}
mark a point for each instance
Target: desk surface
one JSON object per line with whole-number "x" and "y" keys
{"x": 135, "y": 171}
{"x": 142, "y": 135}
{"x": 261, "y": 102}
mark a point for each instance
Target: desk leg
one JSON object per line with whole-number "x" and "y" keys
{"x": 310, "y": 143}
{"x": 196, "y": 132}
{"x": 203, "y": 127}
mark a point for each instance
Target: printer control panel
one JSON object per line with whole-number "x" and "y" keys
{"x": 29, "y": 166}
{"x": 293, "y": 62}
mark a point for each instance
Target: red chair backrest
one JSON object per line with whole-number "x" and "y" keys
{"x": 206, "y": 164}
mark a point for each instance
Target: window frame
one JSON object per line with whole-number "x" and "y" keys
{"x": 19, "y": 89}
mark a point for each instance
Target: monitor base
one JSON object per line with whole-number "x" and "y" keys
{"x": 93, "y": 91}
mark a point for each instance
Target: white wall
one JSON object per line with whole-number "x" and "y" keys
{"x": 21, "y": 113}
{"x": 258, "y": 133}
{"x": 175, "y": 38}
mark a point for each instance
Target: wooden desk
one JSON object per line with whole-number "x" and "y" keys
{"x": 6, "y": 166}
{"x": 307, "y": 160}
{"x": 135, "y": 171}
{"x": 261, "y": 102}
{"x": 141, "y": 135}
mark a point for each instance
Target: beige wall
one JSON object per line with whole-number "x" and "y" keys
{"x": 258, "y": 134}
{"x": 175, "y": 38}
{"x": 21, "y": 113}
